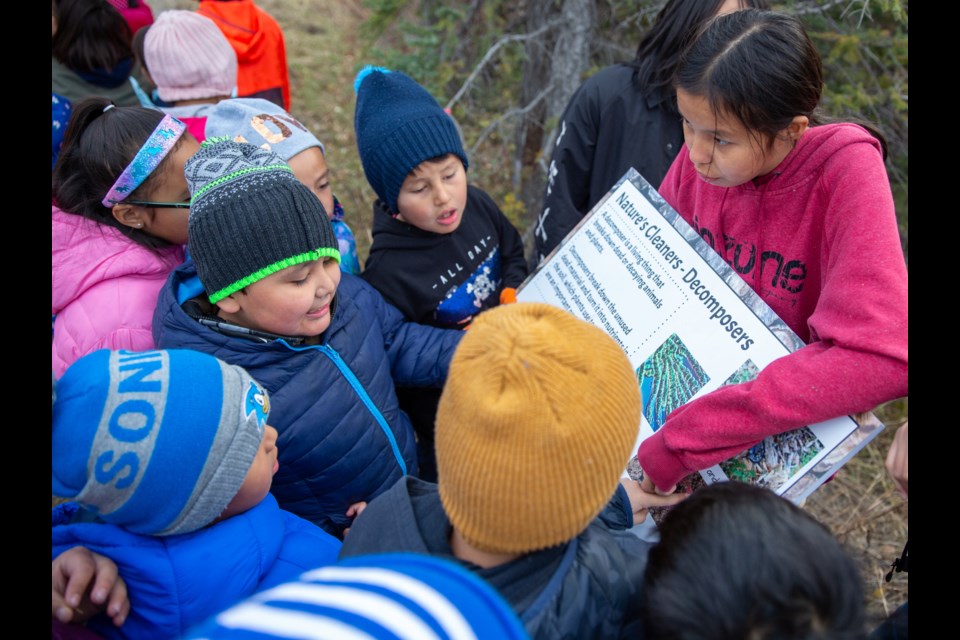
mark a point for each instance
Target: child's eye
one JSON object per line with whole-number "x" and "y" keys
{"x": 322, "y": 186}
{"x": 451, "y": 176}
{"x": 299, "y": 283}
{"x": 721, "y": 142}
{"x": 419, "y": 189}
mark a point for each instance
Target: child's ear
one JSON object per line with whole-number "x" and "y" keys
{"x": 128, "y": 215}
{"x": 228, "y": 304}
{"x": 797, "y": 127}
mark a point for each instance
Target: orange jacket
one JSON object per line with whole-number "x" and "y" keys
{"x": 258, "y": 40}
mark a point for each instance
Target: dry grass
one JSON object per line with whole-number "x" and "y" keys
{"x": 860, "y": 505}
{"x": 864, "y": 510}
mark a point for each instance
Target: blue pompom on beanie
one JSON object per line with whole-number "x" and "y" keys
{"x": 155, "y": 442}
{"x": 398, "y": 125}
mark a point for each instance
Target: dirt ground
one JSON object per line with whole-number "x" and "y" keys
{"x": 324, "y": 49}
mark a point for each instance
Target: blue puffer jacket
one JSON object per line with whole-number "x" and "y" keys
{"x": 175, "y": 582}
{"x": 342, "y": 436}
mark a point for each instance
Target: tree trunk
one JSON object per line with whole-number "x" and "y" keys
{"x": 551, "y": 74}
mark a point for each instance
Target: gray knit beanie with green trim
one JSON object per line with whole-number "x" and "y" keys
{"x": 250, "y": 217}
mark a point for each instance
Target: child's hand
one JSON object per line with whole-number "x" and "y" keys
{"x": 86, "y": 583}
{"x": 353, "y": 511}
{"x": 356, "y": 509}
{"x": 896, "y": 462}
{"x": 508, "y": 295}
{"x": 641, "y": 500}
{"x": 648, "y": 487}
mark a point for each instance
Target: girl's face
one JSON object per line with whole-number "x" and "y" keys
{"x": 167, "y": 223}
{"x": 434, "y": 195}
{"x": 310, "y": 168}
{"x": 291, "y": 302}
{"x": 723, "y": 151}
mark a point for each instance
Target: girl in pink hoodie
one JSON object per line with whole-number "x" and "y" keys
{"x": 803, "y": 211}
{"x": 120, "y": 206}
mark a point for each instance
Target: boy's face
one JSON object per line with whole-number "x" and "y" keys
{"x": 259, "y": 477}
{"x": 292, "y": 302}
{"x": 434, "y": 195}
{"x": 310, "y": 168}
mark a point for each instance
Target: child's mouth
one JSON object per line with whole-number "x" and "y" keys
{"x": 448, "y": 217}
{"x": 707, "y": 178}
{"x": 319, "y": 313}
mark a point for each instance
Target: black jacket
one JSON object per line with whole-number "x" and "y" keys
{"x": 445, "y": 279}
{"x": 608, "y": 126}
{"x": 586, "y": 588}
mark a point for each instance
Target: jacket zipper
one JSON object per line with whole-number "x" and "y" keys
{"x": 361, "y": 392}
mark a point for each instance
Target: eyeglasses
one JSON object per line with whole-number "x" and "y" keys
{"x": 171, "y": 205}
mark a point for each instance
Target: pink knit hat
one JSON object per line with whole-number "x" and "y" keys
{"x": 188, "y": 57}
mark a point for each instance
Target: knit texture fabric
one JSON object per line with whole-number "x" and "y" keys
{"x": 398, "y": 125}
{"x": 188, "y": 57}
{"x": 261, "y": 123}
{"x": 534, "y": 428}
{"x": 250, "y": 217}
{"x": 156, "y": 442}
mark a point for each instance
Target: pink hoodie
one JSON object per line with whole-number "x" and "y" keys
{"x": 105, "y": 289}
{"x": 818, "y": 240}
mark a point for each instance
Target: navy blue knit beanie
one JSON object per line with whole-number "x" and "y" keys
{"x": 398, "y": 125}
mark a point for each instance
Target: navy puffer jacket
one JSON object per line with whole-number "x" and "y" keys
{"x": 342, "y": 436}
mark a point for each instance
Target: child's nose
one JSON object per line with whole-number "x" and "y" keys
{"x": 441, "y": 194}
{"x": 701, "y": 150}
{"x": 270, "y": 436}
{"x": 324, "y": 285}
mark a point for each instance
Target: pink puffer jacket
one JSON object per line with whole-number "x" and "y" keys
{"x": 105, "y": 289}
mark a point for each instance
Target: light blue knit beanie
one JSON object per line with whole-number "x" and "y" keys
{"x": 262, "y": 123}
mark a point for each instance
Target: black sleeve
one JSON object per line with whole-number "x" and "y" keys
{"x": 513, "y": 264}
{"x": 568, "y": 177}
{"x": 390, "y": 287}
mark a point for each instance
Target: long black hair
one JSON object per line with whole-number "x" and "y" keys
{"x": 676, "y": 25}
{"x": 762, "y": 68}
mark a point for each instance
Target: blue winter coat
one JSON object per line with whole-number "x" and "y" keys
{"x": 342, "y": 436}
{"x": 175, "y": 582}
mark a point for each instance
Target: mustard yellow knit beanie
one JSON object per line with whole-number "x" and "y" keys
{"x": 534, "y": 428}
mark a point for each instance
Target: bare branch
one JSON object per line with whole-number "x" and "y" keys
{"x": 800, "y": 9}
{"x": 509, "y": 114}
{"x": 491, "y": 51}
